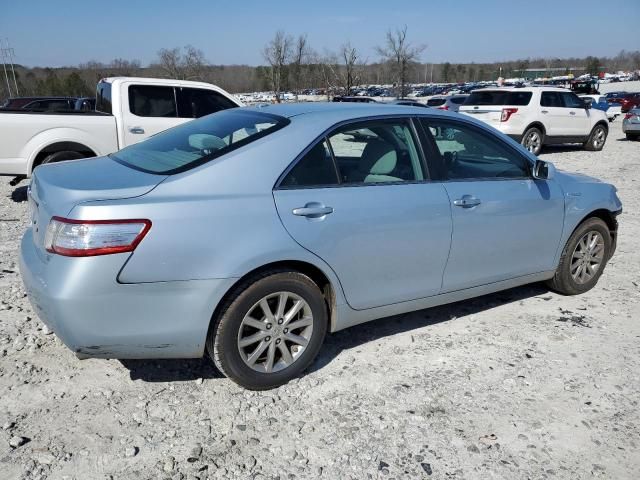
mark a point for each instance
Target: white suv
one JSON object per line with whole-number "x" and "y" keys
{"x": 538, "y": 116}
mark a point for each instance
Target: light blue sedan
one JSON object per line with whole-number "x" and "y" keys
{"x": 251, "y": 233}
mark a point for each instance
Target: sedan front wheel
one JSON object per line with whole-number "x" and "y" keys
{"x": 583, "y": 258}
{"x": 271, "y": 330}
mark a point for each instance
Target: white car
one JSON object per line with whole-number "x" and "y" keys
{"x": 128, "y": 110}
{"x": 447, "y": 102}
{"x": 537, "y": 116}
{"x": 599, "y": 102}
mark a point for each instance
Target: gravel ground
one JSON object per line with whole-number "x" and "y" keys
{"x": 519, "y": 384}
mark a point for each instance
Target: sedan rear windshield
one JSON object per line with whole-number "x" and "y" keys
{"x": 196, "y": 142}
{"x": 498, "y": 98}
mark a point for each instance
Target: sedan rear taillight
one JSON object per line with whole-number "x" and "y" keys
{"x": 444, "y": 107}
{"x": 88, "y": 238}
{"x": 506, "y": 113}
{"x": 629, "y": 115}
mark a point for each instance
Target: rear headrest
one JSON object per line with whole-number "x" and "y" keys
{"x": 204, "y": 141}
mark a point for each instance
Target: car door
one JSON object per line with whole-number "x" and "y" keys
{"x": 576, "y": 114}
{"x": 360, "y": 200}
{"x": 147, "y": 110}
{"x": 553, "y": 114}
{"x": 505, "y": 223}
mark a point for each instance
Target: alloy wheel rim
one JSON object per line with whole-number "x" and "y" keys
{"x": 275, "y": 332}
{"x": 532, "y": 142}
{"x": 587, "y": 257}
{"x": 598, "y": 138}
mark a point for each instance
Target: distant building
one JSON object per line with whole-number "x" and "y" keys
{"x": 533, "y": 73}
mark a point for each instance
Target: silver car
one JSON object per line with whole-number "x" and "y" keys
{"x": 631, "y": 124}
{"x": 251, "y": 233}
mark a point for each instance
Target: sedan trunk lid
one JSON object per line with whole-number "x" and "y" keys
{"x": 55, "y": 189}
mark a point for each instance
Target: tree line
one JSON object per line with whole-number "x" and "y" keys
{"x": 292, "y": 64}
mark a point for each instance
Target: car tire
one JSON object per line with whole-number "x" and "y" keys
{"x": 632, "y": 136}
{"x": 255, "y": 357}
{"x": 574, "y": 261}
{"x": 60, "y": 156}
{"x": 597, "y": 139}
{"x": 532, "y": 140}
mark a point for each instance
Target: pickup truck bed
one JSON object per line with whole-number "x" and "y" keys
{"x": 134, "y": 109}
{"x": 89, "y": 133}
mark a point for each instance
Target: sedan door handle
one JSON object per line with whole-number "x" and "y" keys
{"x": 136, "y": 130}
{"x": 312, "y": 210}
{"x": 544, "y": 111}
{"x": 467, "y": 201}
{"x": 572, "y": 113}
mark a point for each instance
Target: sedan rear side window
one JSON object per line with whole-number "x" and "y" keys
{"x": 376, "y": 152}
{"x": 194, "y": 143}
{"x": 381, "y": 151}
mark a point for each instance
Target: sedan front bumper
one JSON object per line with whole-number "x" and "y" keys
{"x": 94, "y": 315}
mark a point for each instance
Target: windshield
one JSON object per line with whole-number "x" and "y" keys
{"x": 498, "y": 97}
{"x": 198, "y": 141}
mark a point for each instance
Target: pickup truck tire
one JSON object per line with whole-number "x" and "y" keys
{"x": 532, "y": 140}
{"x": 583, "y": 259}
{"x": 596, "y": 139}
{"x": 60, "y": 156}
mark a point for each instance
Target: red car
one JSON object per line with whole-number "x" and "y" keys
{"x": 630, "y": 101}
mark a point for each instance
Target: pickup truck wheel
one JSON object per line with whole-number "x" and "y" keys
{"x": 583, "y": 258}
{"x": 270, "y": 330}
{"x": 532, "y": 140}
{"x": 60, "y": 156}
{"x": 597, "y": 139}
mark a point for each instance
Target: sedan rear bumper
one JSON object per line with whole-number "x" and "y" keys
{"x": 95, "y": 316}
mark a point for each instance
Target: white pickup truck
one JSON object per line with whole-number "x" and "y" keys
{"x": 128, "y": 110}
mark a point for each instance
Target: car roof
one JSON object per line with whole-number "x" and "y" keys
{"x": 319, "y": 116}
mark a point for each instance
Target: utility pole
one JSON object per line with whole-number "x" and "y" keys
{"x": 7, "y": 53}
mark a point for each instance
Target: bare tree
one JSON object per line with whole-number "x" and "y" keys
{"x": 277, "y": 53}
{"x": 352, "y": 67}
{"x": 299, "y": 60}
{"x": 190, "y": 65}
{"x": 399, "y": 52}
{"x": 120, "y": 66}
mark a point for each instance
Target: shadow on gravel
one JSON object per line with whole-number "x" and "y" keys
{"x": 368, "y": 332}
{"x": 20, "y": 194}
{"x": 172, "y": 370}
{"x": 549, "y": 149}
{"x": 193, "y": 369}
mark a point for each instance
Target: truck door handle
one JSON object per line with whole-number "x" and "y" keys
{"x": 136, "y": 130}
{"x": 467, "y": 201}
{"x": 544, "y": 111}
{"x": 312, "y": 210}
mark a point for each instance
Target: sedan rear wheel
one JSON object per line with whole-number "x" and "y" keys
{"x": 270, "y": 330}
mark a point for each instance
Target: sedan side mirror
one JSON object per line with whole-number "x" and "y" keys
{"x": 587, "y": 103}
{"x": 543, "y": 170}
